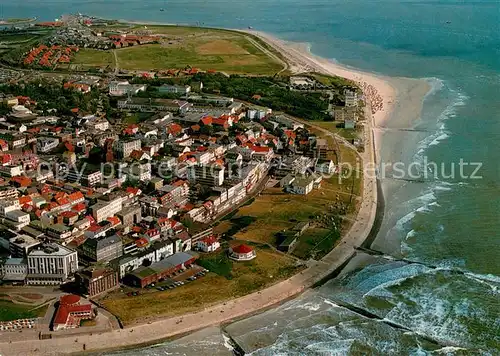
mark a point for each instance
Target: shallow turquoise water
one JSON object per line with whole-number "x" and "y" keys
{"x": 446, "y": 222}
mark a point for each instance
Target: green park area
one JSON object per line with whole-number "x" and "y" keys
{"x": 21, "y": 306}
{"x": 180, "y": 47}
{"x": 87, "y": 57}
{"x": 219, "y": 55}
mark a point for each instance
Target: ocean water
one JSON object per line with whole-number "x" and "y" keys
{"x": 449, "y": 304}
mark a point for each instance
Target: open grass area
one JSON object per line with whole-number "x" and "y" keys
{"x": 13, "y": 311}
{"x": 202, "y": 48}
{"x": 245, "y": 277}
{"x": 315, "y": 243}
{"x": 137, "y": 117}
{"x": 275, "y": 210}
{"x": 335, "y": 127}
{"x": 93, "y": 58}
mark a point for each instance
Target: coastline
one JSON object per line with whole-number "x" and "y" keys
{"x": 223, "y": 313}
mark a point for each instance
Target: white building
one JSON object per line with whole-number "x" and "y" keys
{"x": 97, "y": 125}
{"x": 210, "y": 175}
{"x": 124, "y": 87}
{"x": 125, "y": 148}
{"x": 87, "y": 178}
{"x": 11, "y": 171}
{"x": 47, "y": 144}
{"x": 104, "y": 209}
{"x": 51, "y": 264}
{"x": 242, "y": 253}
{"x": 302, "y": 186}
{"x": 324, "y": 166}
{"x": 19, "y": 217}
{"x": 175, "y": 89}
{"x": 351, "y": 98}
{"x": 14, "y": 269}
{"x": 7, "y": 206}
{"x": 139, "y": 171}
{"x": 208, "y": 244}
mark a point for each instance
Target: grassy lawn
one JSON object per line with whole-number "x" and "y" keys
{"x": 274, "y": 210}
{"x": 328, "y": 80}
{"x": 220, "y": 285}
{"x": 84, "y": 323}
{"x": 315, "y": 243}
{"x": 334, "y": 126}
{"x": 16, "y": 38}
{"x": 201, "y": 48}
{"x": 93, "y": 58}
{"x": 12, "y": 311}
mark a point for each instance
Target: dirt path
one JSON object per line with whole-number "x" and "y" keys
{"x": 117, "y": 64}
{"x": 268, "y": 53}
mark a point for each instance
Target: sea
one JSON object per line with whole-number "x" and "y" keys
{"x": 443, "y": 298}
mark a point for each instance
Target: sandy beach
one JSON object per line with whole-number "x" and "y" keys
{"x": 383, "y": 96}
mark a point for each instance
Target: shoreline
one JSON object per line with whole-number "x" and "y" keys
{"x": 223, "y": 313}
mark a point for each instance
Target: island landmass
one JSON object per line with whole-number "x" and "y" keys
{"x": 178, "y": 249}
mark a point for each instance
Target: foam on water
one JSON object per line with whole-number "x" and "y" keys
{"x": 329, "y": 302}
{"x": 441, "y": 133}
{"x": 307, "y": 306}
{"x": 436, "y": 85}
{"x": 227, "y": 343}
{"x": 438, "y": 139}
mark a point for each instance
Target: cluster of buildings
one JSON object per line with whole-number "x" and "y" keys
{"x": 49, "y": 56}
{"x": 90, "y": 35}
{"x": 99, "y": 203}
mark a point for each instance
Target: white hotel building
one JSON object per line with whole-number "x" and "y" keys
{"x": 51, "y": 264}
{"x": 104, "y": 209}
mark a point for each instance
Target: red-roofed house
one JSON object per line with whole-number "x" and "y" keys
{"x": 25, "y": 200}
{"x": 153, "y": 234}
{"x": 76, "y": 197}
{"x": 68, "y": 217}
{"x": 208, "y": 244}
{"x": 79, "y": 208}
{"x": 69, "y": 146}
{"x": 222, "y": 122}
{"x": 242, "y": 253}
{"x": 262, "y": 153}
{"x": 21, "y": 181}
{"x": 174, "y": 129}
{"x": 70, "y": 312}
{"x": 142, "y": 242}
{"x": 114, "y": 220}
{"x": 139, "y": 155}
{"x": 132, "y": 192}
{"x": 4, "y": 146}
{"x": 207, "y": 120}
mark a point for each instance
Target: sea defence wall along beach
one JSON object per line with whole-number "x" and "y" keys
{"x": 225, "y": 312}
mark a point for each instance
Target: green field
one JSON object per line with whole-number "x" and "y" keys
{"x": 335, "y": 127}
{"x": 205, "y": 49}
{"x": 93, "y": 58}
{"x": 12, "y": 311}
{"x": 315, "y": 243}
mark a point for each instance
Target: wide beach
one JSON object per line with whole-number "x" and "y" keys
{"x": 398, "y": 102}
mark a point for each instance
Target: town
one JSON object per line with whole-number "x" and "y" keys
{"x": 128, "y": 194}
